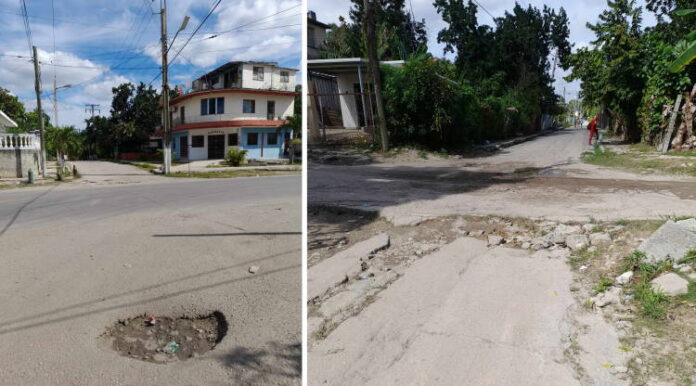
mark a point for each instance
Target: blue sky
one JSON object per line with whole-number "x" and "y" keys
{"x": 579, "y": 13}
{"x": 100, "y": 44}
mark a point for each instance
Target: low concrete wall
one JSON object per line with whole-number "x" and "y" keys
{"x": 16, "y": 163}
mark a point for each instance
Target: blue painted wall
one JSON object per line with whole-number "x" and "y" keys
{"x": 175, "y": 143}
{"x": 269, "y": 151}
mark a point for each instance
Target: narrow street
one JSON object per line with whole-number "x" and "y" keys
{"x": 542, "y": 178}
{"x": 119, "y": 243}
{"x": 443, "y": 308}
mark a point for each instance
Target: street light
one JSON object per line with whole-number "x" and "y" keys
{"x": 55, "y": 99}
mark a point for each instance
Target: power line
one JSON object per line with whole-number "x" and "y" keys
{"x": 215, "y": 34}
{"x": 190, "y": 37}
{"x": 484, "y": 8}
{"x": 27, "y": 28}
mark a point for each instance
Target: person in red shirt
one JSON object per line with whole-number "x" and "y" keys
{"x": 592, "y": 127}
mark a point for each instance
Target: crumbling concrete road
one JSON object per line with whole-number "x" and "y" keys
{"x": 468, "y": 315}
{"x": 542, "y": 178}
{"x": 76, "y": 258}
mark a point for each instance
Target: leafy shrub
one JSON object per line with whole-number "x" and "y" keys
{"x": 235, "y": 157}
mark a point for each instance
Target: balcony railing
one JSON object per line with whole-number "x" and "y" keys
{"x": 176, "y": 121}
{"x": 19, "y": 142}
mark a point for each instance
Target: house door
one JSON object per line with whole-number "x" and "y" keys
{"x": 270, "y": 110}
{"x": 216, "y": 146}
{"x": 359, "y": 105}
{"x": 183, "y": 147}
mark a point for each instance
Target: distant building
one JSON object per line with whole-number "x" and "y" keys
{"x": 316, "y": 36}
{"x": 238, "y": 105}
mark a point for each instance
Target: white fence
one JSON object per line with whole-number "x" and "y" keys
{"x": 19, "y": 141}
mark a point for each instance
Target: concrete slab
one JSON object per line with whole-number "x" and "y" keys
{"x": 669, "y": 241}
{"x": 346, "y": 263}
{"x": 454, "y": 316}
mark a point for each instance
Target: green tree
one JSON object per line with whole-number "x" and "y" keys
{"x": 11, "y": 106}
{"x": 64, "y": 141}
{"x": 398, "y": 35}
{"x": 611, "y": 70}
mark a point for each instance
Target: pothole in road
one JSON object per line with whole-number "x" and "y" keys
{"x": 165, "y": 339}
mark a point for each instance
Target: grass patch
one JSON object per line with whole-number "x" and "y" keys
{"x": 690, "y": 257}
{"x": 603, "y": 285}
{"x": 637, "y": 162}
{"x": 581, "y": 257}
{"x": 689, "y": 296}
{"x": 232, "y": 174}
{"x": 653, "y": 304}
{"x": 145, "y": 166}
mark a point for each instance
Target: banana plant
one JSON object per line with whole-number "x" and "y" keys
{"x": 689, "y": 52}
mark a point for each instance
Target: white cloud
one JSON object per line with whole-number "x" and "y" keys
{"x": 17, "y": 73}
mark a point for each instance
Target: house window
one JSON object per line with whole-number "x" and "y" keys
{"x": 212, "y": 106}
{"x": 284, "y": 77}
{"x": 272, "y": 138}
{"x": 258, "y": 73}
{"x": 249, "y": 106}
{"x": 197, "y": 141}
{"x": 232, "y": 139}
{"x": 252, "y": 139}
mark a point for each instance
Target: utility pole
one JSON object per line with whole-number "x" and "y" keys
{"x": 89, "y": 108}
{"x": 166, "y": 123}
{"x": 373, "y": 62}
{"x": 55, "y": 101}
{"x": 37, "y": 87}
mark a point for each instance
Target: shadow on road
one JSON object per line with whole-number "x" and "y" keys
{"x": 21, "y": 208}
{"x": 31, "y": 321}
{"x": 261, "y": 366}
{"x": 373, "y": 187}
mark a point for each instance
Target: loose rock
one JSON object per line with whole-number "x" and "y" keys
{"x": 624, "y": 278}
{"x": 494, "y": 240}
{"x": 670, "y": 284}
{"x": 669, "y": 241}
{"x": 253, "y": 269}
{"x": 575, "y": 242}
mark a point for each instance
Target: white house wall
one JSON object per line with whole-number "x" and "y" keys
{"x": 284, "y": 107}
{"x": 349, "y": 110}
{"x": 271, "y": 78}
{"x": 201, "y": 153}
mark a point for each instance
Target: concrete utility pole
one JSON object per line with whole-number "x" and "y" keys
{"x": 37, "y": 87}
{"x": 370, "y": 39}
{"x": 90, "y": 108}
{"x": 166, "y": 123}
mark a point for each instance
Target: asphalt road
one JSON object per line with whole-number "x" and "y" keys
{"x": 77, "y": 257}
{"x": 542, "y": 178}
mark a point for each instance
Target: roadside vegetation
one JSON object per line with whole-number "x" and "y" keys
{"x": 499, "y": 85}
{"x": 656, "y": 329}
{"x": 232, "y": 173}
{"x": 642, "y": 161}
{"x": 633, "y": 75}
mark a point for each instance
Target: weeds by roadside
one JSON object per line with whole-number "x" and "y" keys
{"x": 232, "y": 174}
{"x": 641, "y": 161}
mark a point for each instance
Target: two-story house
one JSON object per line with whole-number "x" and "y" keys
{"x": 238, "y": 105}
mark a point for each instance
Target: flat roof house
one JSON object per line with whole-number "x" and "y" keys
{"x": 237, "y": 105}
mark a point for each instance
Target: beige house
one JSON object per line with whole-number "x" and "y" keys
{"x": 237, "y": 105}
